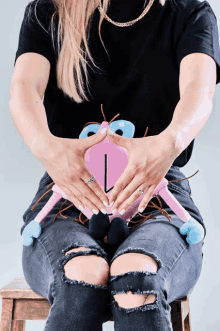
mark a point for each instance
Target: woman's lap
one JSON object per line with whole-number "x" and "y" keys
{"x": 179, "y": 263}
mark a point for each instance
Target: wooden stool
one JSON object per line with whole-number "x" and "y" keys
{"x": 20, "y": 303}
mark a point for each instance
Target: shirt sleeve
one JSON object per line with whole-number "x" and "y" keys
{"x": 34, "y": 34}
{"x": 200, "y": 34}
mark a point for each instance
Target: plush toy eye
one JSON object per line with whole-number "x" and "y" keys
{"x": 89, "y": 130}
{"x": 123, "y": 128}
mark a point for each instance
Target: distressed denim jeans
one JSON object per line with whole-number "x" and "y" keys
{"x": 81, "y": 306}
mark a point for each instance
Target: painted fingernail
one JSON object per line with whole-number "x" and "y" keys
{"x": 95, "y": 211}
{"x": 111, "y": 132}
{"x": 81, "y": 208}
{"x": 103, "y": 130}
{"x": 103, "y": 211}
{"x": 114, "y": 211}
{"x": 141, "y": 210}
{"x": 106, "y": 205}
{"x": 122, "y": 212}
{"x": 111, "y": 204}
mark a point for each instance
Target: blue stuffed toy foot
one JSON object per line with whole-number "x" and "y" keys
{"x": 194, "y": 231}
{"x": 99, "y": 225}
{"x": 118, "y": 232}
{"x": 33, "y": 229}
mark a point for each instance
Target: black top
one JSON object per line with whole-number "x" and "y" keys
{"x": 140, "y": 80}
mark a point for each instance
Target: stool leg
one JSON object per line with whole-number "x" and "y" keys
{"x": 6, "y": 315}
{"x": 18, "y": 325}
{"x": 187, "y": 321}
{"x": 176, "y": 316}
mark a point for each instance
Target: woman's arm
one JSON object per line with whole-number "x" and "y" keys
{"x": 29, "y": 117}
{"x": 197, "y": 87}
{"x": 190, "y": 116}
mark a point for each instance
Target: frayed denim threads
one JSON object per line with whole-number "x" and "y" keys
{"x": 93, "y": 250}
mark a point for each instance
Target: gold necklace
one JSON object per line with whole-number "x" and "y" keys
{"x": 131, "y": 22}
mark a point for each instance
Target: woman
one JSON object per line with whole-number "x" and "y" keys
{"x": 159, "y": 63}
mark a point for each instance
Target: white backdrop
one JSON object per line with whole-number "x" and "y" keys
{"x": 20, "y": 172}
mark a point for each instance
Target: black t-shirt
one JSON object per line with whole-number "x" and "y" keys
{"x": 140, "y": 78}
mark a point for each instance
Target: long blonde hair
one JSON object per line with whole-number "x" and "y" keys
{"x": 75, "y": 18}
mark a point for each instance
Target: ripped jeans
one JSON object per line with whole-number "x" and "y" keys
{"x": 82, "y": 306}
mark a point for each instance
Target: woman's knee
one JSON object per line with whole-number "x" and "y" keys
{"x": 92, "y": 269}
{"x": 133, "y": 262}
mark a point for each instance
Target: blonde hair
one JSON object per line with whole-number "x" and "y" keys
{"x": 75, "y": 18}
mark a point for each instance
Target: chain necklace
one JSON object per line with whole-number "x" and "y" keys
{"x": 131, "y": 22}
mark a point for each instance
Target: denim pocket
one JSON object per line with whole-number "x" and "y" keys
{"x": 182, "y": 184}
{"x": 45, "y": 179}
{"x": 178, "y": 189}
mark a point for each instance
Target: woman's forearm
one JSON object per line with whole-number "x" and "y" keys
{"x": 29, "y": 117}
{"x": 190, "y": 116}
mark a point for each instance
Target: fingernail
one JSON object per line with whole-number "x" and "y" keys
{"x": 81, "y": 208}
{"x": 141, "y": 210}
{"x": 122, "y": 212}
{"x": 111, "y": 132}
{"x": 103, "y": 130}
{"x": 111, "y": 204}
{"x": 114, "y": 211}
{"x": 103, "y": 211}
{"x": 95, "y": 211}
{"x": 106, "y": 205}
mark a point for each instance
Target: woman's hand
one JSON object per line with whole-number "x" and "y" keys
{"x": 64, "y": 161}
{"x": 149, "y": 161}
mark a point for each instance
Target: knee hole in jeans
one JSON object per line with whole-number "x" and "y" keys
{"x": 132, "y": 262}
{"x": 132, "y": 300}
{"x": 92, "y": 269}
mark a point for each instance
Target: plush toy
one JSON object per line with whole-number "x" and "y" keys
{"x": 100, "y": 160}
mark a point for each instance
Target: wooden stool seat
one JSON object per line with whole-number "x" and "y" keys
{"x": 20, "y": 303}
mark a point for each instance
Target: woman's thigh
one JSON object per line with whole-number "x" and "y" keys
{"x": 43, "y": 261}
{"x": 179, "y": 263}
